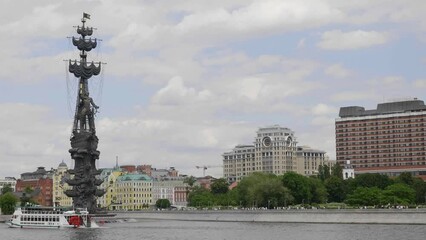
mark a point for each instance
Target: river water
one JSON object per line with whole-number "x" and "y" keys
{"x": 201, "y": 230}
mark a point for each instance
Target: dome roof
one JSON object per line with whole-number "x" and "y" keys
{"x": 62, "y": 165}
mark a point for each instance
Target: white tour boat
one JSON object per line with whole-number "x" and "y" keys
{"x": 50, "y": 217}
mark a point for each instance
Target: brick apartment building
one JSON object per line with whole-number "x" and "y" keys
{"x": 40, "y": 182}
{"x": 389, "y": 140}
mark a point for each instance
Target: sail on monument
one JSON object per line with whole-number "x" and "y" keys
{"x": 84, "y": 142}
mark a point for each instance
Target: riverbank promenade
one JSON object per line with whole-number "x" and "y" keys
{"x": 339, "y": 216}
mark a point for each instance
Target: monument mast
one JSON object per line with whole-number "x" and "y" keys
{"x": 84, "y": 142}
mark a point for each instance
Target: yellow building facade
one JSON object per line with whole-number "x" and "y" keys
{"x": 109, "y": 199}
{"x": 59, "y": 186}
{"x": 134, "y": 192}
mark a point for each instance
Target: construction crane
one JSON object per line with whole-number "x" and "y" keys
{"x": 207, "y": 167}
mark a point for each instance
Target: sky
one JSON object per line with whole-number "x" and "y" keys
{"x": 187, "y": 80}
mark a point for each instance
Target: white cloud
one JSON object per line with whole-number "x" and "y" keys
{"x": 420, "y": 83}
{"x": 322, "y": 121}
{"x": 395, "y": 82}
{"x": 226, "y": 22}
{"x": 251, "y": 88}
{"x": 324, "y": 109}
{"x": 174, "y": 142}
{"x": 261, "y": 84}
{"x": 338, "y": 40}
{"x": 353, "y": 96}
{"x": 176, "y": 93}
{"x": 301, "y": 43}
{"x": 337, "y": 71}
{"x": 395, "y": 11}
{"x": 31, "y": 137}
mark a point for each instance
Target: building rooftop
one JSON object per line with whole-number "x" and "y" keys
{"x": 384, "y": 108}
{"x": 62, "y": 165}
{"x": 308, "y": 149}
{"x": 134, "y": 177}
{"x": 273, "y": 128}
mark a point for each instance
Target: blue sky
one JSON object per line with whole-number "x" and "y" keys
{"x": 188, "y": 80}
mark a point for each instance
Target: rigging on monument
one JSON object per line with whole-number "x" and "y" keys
{"x": 84, "y": 142}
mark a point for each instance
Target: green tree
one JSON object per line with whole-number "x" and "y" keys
{"x": 405, "y": 178}
{"x": 323, "y": 172}
{"x": 270, "y": 193}
{"x": 335, "y": 189}
{"x": 7, "y": 188}
{"x": 363, "y": 196}
{"x": 200, "y": 197}
{"x": 7, "y": 203}
{"x": 417, "y": 184}
{"x": 232, "y": 198}
{"x": 224, "y": 199}
{"x": 337, "y": 171}
{"x": 163, "y": 203}
{"x": 219, "y": 186}
{"x": 318, "y": 190}
{"x": 263, "y": 190}
{"x": 420, "y": 187}
{"x": 190, "y": 180}
{"x": 299, "y": 187}
{"x": 398, "y": 193}
{"x": 372, "y": 180}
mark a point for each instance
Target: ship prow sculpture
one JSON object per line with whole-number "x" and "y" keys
{"x": 84, "y": 142}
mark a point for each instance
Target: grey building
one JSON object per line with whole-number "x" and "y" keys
{"x": 274, "y": 151}
{"x": 309, "y": 160}
{"x": 171, "y": 188}
{"x": 239, "y": 162}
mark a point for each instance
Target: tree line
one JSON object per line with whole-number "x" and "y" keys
{"x": 272, "y": 191}
{"x": 8, "y": 200}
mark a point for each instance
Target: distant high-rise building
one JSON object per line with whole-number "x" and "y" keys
{"x": 389, "y": 139}
{"x": 239, "y": 162}
{"x": 274, "y": 151}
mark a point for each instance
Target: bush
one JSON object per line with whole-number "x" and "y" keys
{"x": 7, "y": 203}
{"x": 163, "y": 203}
